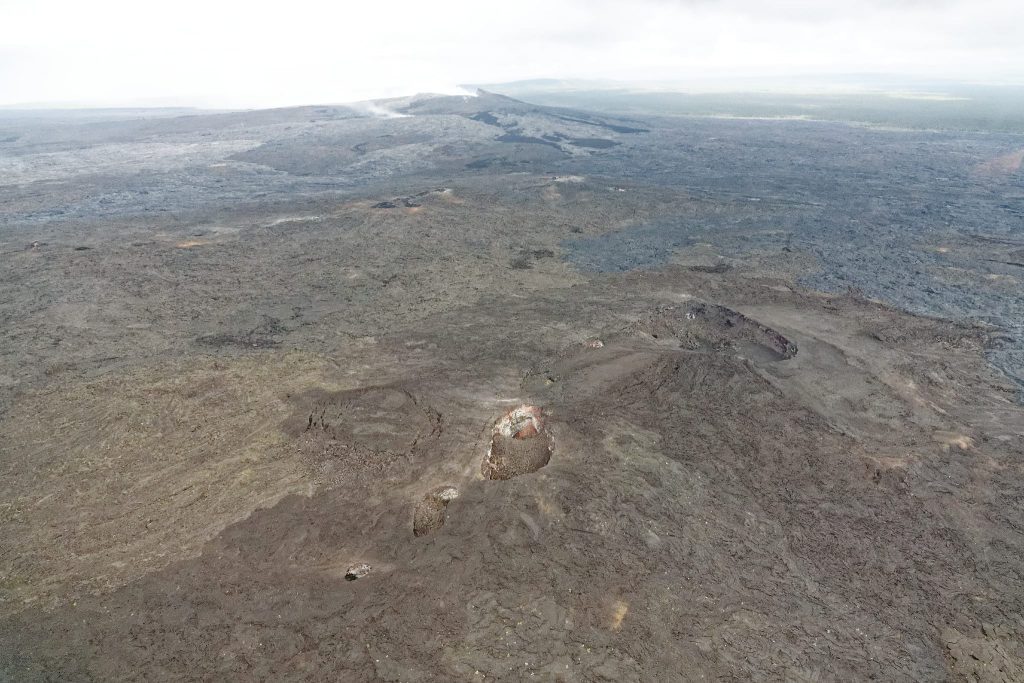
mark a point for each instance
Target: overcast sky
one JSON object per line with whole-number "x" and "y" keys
{"x": 249, "y": 53}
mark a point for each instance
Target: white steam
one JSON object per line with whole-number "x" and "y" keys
{"x": 375, "y": 109}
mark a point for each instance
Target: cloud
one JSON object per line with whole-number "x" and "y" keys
{"x": 234, "y": 53}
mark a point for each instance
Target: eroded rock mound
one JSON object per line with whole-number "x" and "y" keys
{"x": 357, "y": 571}
{"x": 519, "y": 444}
{"x": 430, "y": 512}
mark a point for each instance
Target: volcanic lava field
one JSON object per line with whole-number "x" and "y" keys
{"x": 466, "y": 389}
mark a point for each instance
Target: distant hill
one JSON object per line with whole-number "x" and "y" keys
{"x": 886, "y": 101}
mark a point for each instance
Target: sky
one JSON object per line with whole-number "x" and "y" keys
{"x": 261, "y": 54}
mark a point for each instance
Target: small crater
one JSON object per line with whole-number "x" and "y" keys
{"x": 709, "y": 327}
{"x": 526, "y": 257}
{"x": 717, "y": 269}
{"x": 430, "y": 512}
{"x": 519, "y": 444}
{"x": 412, "y": 201}
{"x": 594, "y": 143}
{"x": 382, "y": 419}
{"x": 357, "y": 571}
{"x": 515, "y": 136}
{"x": 244, "y": 341}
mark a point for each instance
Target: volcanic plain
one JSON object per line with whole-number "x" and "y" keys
{"x": 470, "y": 389}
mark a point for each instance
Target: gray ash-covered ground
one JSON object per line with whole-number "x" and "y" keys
{"x": 254, "y": 369}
